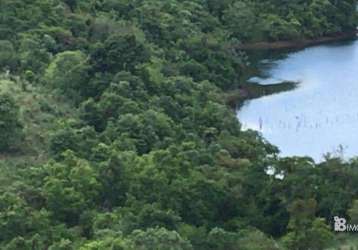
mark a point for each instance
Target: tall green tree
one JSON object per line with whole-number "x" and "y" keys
{"x": 10, "y": 125}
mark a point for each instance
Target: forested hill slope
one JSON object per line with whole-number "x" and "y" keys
{"x": 115, "y": 133}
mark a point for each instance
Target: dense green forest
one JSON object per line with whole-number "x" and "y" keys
{"x": 115, "y": 129}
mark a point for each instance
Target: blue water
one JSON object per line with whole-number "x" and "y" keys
{"x": 318, "y": 117}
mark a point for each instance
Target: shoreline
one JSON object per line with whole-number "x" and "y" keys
{"x": 298, "y": 43}
{"x": 250, "y": 91}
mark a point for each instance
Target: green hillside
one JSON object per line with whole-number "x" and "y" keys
{"x": 116, "y": 133}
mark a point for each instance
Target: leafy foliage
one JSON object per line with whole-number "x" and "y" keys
{"x": 10, "y": 125}
{"x": 126, "y": 140}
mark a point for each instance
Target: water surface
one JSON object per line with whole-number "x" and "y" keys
{"x": 318, "y": 117}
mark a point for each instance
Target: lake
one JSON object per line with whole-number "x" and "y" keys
{"x": 321, "y": 115}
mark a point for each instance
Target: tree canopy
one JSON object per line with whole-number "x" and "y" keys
{"x": 115, "y": 129}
